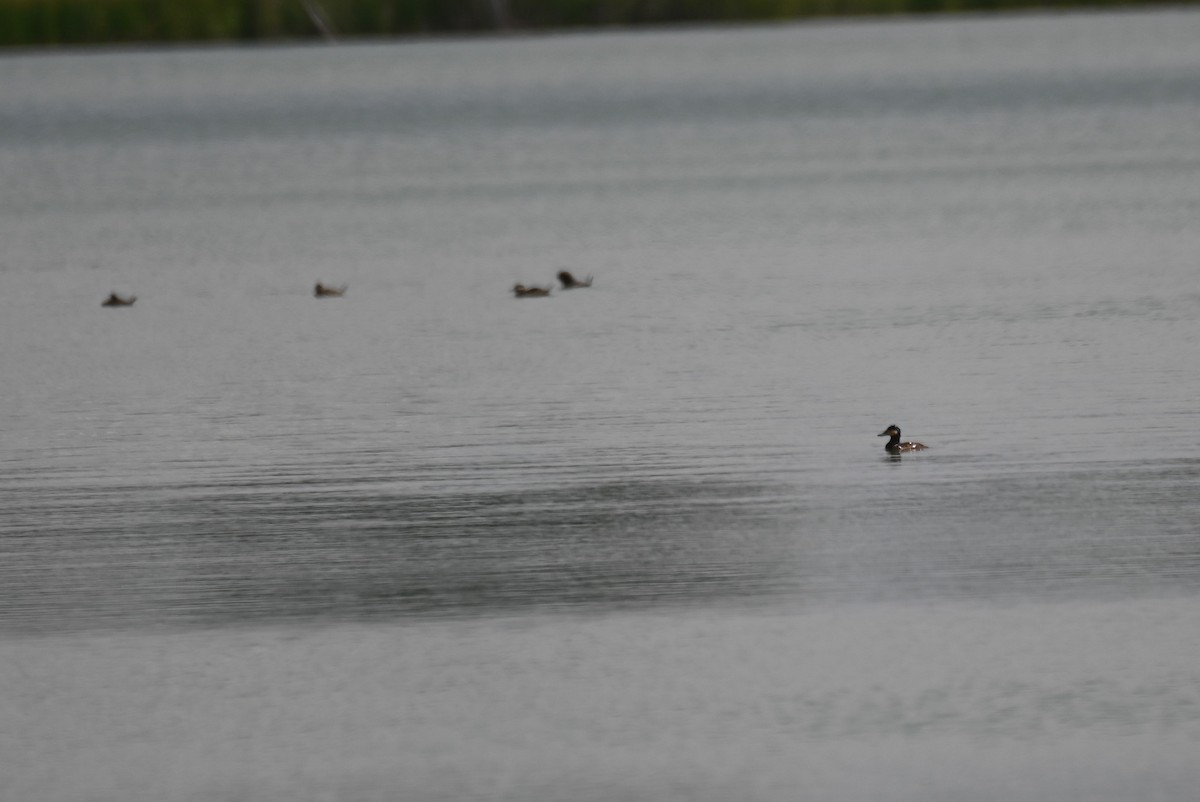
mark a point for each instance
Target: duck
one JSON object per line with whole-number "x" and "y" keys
{"x": 321, "y": 291}
{"x": 894, "y": 446}
{"x": 521, "y": 291}
{"x": 569, "y": 282}
{"x": 116, "y": 300}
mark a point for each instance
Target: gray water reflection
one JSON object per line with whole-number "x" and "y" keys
{"x": 279, "y": 550}
{"x": 295, "y": 552}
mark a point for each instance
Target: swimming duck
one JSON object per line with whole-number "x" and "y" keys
{"x": 894, "y": 446}
{"x": 569, "y": 282}
{"x": 321, "y": 291}
{"x": 521, "y": 291}
{"x": 116, "y": 300}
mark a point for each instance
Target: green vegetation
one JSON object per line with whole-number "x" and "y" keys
{"x": 56, "y": 22}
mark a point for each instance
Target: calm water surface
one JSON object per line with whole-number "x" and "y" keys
{"x": 638, "y": 541}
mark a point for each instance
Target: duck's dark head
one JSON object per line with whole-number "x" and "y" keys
{"x": 891, "y": 431}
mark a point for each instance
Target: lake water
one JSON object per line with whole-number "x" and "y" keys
{"x": 635, "y": 542}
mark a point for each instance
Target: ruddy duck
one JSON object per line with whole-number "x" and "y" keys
{"x": 894, "y": 446}
{"x": 569, "y": 282}
{"x": 116, "y": 300}
{"x": 521, "y": 291}
{"x": 321, "y": 291}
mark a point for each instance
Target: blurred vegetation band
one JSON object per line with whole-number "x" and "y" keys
{"x": 53, "y": 22}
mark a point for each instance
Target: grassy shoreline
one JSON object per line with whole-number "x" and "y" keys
{"x": 68, "y": 22}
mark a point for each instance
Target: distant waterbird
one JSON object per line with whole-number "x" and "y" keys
{"x": 521, "y": 291}
{"x": 118, "y": 300}
{"x": 322, "y": 291}
{"x": 569, "y": 282}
